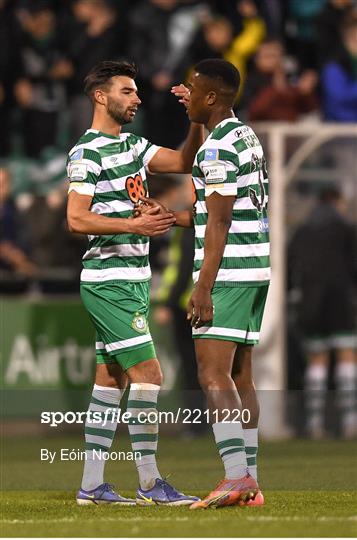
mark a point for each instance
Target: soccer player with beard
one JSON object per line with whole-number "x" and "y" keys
{"x": 107, "y": 175}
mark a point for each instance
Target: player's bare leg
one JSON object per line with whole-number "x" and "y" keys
{"x": 215, "y": 362}
{"x": 243, "y": 379}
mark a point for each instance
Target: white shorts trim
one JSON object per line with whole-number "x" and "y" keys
{"x": 125, "y": 343}
{"x": 225, "y": 332}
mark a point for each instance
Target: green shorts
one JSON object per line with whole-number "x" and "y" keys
{"x": 119, "y": 311}
{"x": 238, "y": 314}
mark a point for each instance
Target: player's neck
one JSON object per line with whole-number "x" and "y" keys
{"x": 106, "y": 124}
{"x": 218, "y": 116}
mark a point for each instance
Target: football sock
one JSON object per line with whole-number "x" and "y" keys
{"x": 99, "y": 436}
{"x": 251, "y": 450}
{"x": 144, "y": 435}
{"x": 230, "y": 443}
{"x": 346, "y": 392}
{"x": 315, "y": 397}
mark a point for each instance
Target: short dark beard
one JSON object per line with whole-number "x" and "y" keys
{"x": 117, "y": 113}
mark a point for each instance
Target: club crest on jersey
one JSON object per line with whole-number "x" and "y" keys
{"x": 139, "y": 323}
{"x": 77, "y": 156}
{"x": 211, "y": 154}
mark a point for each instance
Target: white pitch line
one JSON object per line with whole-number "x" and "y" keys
{"x": 206, "y": 518}
{"x": 301, "y": 518}
{"x": 96, "y": 520}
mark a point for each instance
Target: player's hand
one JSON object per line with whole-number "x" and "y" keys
{"x": 200, "y": 307}
{"x": 153, "y": 222}
{"x": 183, "y": 93}
{"x": 147, "y": 202}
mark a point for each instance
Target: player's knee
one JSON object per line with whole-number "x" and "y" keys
{"x": 210, "y": 379}
{"x": 146, "y": 372}
{"x": 157, "y": 378}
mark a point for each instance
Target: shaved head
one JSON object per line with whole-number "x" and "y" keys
{"x": 220, "y": 76}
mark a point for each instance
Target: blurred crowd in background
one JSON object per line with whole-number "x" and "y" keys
{"x": 298, "y": 64}
{"x": 297, "y": 59}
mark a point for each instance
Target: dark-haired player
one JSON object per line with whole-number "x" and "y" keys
{"x": 231, "y": 274}
{"x": 107, "y": 174}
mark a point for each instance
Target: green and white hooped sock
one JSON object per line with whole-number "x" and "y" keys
{"x": 99, "y": 436}
{"x": 230, "y": 443}
{"x": 315, "y": 387}
{"x": 142, "y": 401}
{"x": 345, "y": 376}
{"x": 251, "y": 450}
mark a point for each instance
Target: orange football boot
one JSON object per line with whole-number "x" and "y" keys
{"x": 229, "y": 492}
{"x": 257, "y": 501}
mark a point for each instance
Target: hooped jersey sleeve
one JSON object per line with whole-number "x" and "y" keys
{"x": 220, "y": 170}
{"x": 147, "y": 150}
{"x": 84, "y": 166}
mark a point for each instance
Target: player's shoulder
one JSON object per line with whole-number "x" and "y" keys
{"x": 219, "y": 144}
{"x": 225, "y": 131}
{"x": 245, "y": 138}
{"x": 87, "y": 148}
{"x": 141, "y": 143}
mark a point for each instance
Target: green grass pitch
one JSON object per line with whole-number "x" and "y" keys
{"x": 310, "y": 490}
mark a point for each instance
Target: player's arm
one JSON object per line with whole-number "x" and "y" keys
{"x": 219, "y": 209}
{"x": 179, "y": 161}
{"x": 183, "y": 218}
{"x": 81, "y": 220}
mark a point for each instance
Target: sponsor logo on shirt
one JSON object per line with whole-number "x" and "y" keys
{"x": 76, "y": 156}
{"x": 211, "y": 154}
{"x": 135, "y": 187}
{"x": 242, "y": 132}
{"x": 77, "y": 172}
{"x": 215, "y": 173}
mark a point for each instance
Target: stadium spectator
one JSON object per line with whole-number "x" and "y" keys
{"x": 339, "y": 78}
{"x": 163, "y": 31}
{"x": 213, "y": 39}
{"x": 235, "y": 11}
{"x": 39, "y": 90}
{"x": 302, "y": 31}
{"x": 270, "y": 95}
{"x": 322, "y": 262}
{"x": 217, "y": 38}
{"x": 95, "y": 34}
{"x": 328, "y": 29}
{"x": 13, "y": 258}
{"x": 53, "y": 249}
{"x": 9, "y": 65}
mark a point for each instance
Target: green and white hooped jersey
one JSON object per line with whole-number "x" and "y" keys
{"x": 231, "y": 162}
{"x": 113, "y": 171}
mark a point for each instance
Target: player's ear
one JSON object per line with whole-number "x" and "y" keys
{"x": 211, "y": 98}
{"x": 100, "y": 97}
